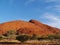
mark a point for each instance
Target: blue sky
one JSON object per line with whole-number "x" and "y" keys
{"x": 46, "y": 11}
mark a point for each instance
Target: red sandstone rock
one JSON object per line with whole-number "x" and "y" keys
{"x": 31, "y": 27}
{"x": 47, "y": 29}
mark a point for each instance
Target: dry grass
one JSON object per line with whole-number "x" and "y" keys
{"x": 30, "y": 42}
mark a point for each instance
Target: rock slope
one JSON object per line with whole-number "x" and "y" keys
{"x": 31, "y": 27}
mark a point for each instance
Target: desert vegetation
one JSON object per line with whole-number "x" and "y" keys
{"x": 12, "y": 35}
{"x": 29, "y": 33}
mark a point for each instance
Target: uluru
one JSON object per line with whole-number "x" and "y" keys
{"x": 28, "y": 27}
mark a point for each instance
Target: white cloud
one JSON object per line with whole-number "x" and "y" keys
{"x": 50, "y": 16}
{"x": 55, "y": 8}
{"x": 52, "y": 20}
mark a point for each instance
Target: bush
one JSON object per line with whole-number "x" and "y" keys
{"x": 51, "y": 37}
{"x": 11, "y": 34}
{"x": 42, "y": 37}
{"x": 2, "y": 37}
{"x": 33, "y": 37}
{"x": 57, "y": 36}
{"x": 22, "y": 38}
{"x": 37, "y": 37}
{"x": 54, "y": 36}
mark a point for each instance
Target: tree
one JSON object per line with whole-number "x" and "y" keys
{"x": 33, "y": 37}
{"x": 2, "y": 37}
{"x": 52, "y": 36}
{"x": 57, "y": 36}
{"x": 11, "y": 34}
{"x": 22, "y": 38}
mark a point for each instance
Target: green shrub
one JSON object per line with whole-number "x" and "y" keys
{"x": 33, "y": 37}
{"x": 11, "y": 34}
{"x": 2, "y": 37}
{"x": 55, "y": 36}
{"x": 51, "y": 37}
{"x": 22, "y": 38}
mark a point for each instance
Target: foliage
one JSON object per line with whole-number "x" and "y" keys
{"x": 51, "y": 37}
{"x": 33, "y": 37}
{"x": 22, "y": 38}
{"x": 55, "y": 36}
{"x": 2, "y": 37}
{"x": 11, "y": 34}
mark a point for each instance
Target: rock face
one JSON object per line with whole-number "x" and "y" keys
{"x": 31, "y": 27}
{"x": 47, "y": 29}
